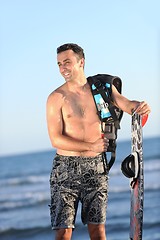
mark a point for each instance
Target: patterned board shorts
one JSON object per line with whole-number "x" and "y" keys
{"x": 75, "y": 179}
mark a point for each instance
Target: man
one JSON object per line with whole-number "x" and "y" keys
{"x": 79, "y": 171}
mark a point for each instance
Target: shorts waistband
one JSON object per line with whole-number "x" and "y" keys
{"x": 97, "y": 157}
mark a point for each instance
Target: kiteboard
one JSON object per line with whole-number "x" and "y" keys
{"x": 132, "y": 167}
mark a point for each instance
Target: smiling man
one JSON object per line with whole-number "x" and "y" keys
{"x": 79, "y": 172}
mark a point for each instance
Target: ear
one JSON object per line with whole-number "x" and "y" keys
{"x": 82, "y": 62}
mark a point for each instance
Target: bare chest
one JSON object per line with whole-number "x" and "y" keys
{"x": 79, "y": 106}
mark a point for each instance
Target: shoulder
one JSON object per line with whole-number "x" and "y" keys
{"x": 55, "y": 100}
{"x": 57, "y": 96}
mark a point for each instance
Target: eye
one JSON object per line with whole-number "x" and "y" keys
{"x": 68, "y": 62}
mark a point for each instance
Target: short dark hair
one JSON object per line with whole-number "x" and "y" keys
{"x": 71, "y": 46}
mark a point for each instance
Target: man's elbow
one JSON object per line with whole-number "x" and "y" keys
{"x": 55, "y": 142}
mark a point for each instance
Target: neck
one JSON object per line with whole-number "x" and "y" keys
{"x": 79, "y": 81}
{"x": 79, "y": 85}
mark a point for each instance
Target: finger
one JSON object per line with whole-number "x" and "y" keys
{"x": 106, "y": 142}
{"x": 106, "y": 145}
{"x": 145, "y": 110}
{"x": 103, "y": 136}
{"x": 137, "y": 109}
{"x": 142, "y": 108}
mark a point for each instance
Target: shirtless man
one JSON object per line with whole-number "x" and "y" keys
{"x": 79, "y": 171}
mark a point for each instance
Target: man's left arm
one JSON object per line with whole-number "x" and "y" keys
{"x": 128, "y": 106}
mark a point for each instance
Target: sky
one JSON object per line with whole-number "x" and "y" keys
{"x": 119, "y": 38}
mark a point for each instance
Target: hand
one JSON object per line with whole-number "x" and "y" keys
{"x": 100, "y": 145}
{"x": 143, "y": 109}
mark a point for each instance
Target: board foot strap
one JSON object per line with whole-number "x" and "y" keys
{"x": 130, "y": 167}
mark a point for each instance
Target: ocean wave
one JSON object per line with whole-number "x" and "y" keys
{"x": 149, "y": 224}
{"x": 15, "y": 201}
{"x": 152, "y": 165}
{"x": 152, "y": 187}
{"x": 32, "y": 179}
{"x": 151, "y": 157}
{"x": 23, "y": 231}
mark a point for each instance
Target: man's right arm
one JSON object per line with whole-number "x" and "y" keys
{"x": 55, "y": 129}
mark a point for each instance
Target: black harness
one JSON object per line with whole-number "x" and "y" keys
{"x": 109, "y": 115}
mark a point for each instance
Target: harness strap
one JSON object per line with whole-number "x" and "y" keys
{"x": 111, "y": 149}
{"x": 111, "y": 161}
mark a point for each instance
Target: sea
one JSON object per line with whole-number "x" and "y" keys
{"x": 25, "y": 196}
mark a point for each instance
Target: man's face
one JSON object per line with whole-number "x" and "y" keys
{"x": 69, "y": 64}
